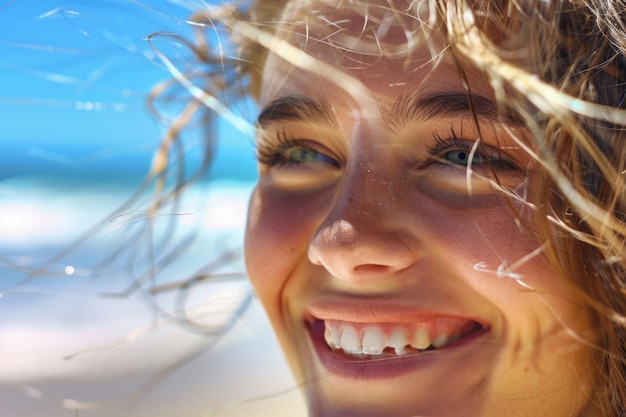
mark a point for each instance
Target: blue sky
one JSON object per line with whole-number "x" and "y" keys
{"x": 74, "y": 77}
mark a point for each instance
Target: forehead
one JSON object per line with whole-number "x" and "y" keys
{"x": 384, "y": 48}
{"x": 369, "y": 27}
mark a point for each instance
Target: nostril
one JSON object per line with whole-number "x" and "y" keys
{"x": 361, "y": 250}
{"x": 372, "y": 268}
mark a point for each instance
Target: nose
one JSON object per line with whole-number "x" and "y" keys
{"x": 366, "y": 233}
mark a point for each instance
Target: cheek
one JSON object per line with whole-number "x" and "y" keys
{"x": 482, "y": 244}
{"x": 505, "y": 264}
{"x": 277, "y": 239}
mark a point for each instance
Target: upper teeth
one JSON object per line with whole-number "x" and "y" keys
{"x": 372, "y": 339}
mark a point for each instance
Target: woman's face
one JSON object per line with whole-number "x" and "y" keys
{"x": 398, "y": 283}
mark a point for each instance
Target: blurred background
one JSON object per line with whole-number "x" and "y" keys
{"x": 106, "y": 310}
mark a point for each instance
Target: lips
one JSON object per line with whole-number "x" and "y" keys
{"x": 364, "y": 340}
{"x": 389, "y": 364}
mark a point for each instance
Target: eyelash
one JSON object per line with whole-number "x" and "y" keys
{"x": 485, "y": 156}
{"x": 274, "y": 150}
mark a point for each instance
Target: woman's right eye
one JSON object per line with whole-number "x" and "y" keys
{"x": 293, "y": 152}
{"x": 300, "y": 155}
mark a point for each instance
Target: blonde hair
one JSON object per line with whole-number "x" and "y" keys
{"x": 561, "y": 65}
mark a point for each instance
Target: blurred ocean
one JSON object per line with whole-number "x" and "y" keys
{"x": 105, "y": 311}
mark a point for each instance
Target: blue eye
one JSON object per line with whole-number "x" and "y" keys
{"x": 459, "y": 157}
{"x": 456, "y": 151}
{"x": 462, "y": 157}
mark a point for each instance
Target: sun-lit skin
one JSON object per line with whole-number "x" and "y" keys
{"x": 368, "y": 226}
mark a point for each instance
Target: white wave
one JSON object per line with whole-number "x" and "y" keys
{"x": 68, "y": 347}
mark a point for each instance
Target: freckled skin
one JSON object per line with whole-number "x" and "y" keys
{"x": 379, "y": 229}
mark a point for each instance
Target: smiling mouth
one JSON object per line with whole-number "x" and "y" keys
{"x": 373, "y": 341}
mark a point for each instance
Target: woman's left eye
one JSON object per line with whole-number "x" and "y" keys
{"x": 464, "y": 153}
{"x": 464, "y": 157}
{"x": 458, "y": 157}
{"x": 468, "y": 167}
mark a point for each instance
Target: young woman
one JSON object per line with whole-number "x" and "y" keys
{"x": 438, "y": 225}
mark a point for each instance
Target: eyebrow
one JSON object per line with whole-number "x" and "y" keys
{"x": 296, "y": 107}
{"x": 404, "y": 111}
{"x": 440, "y": 105}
